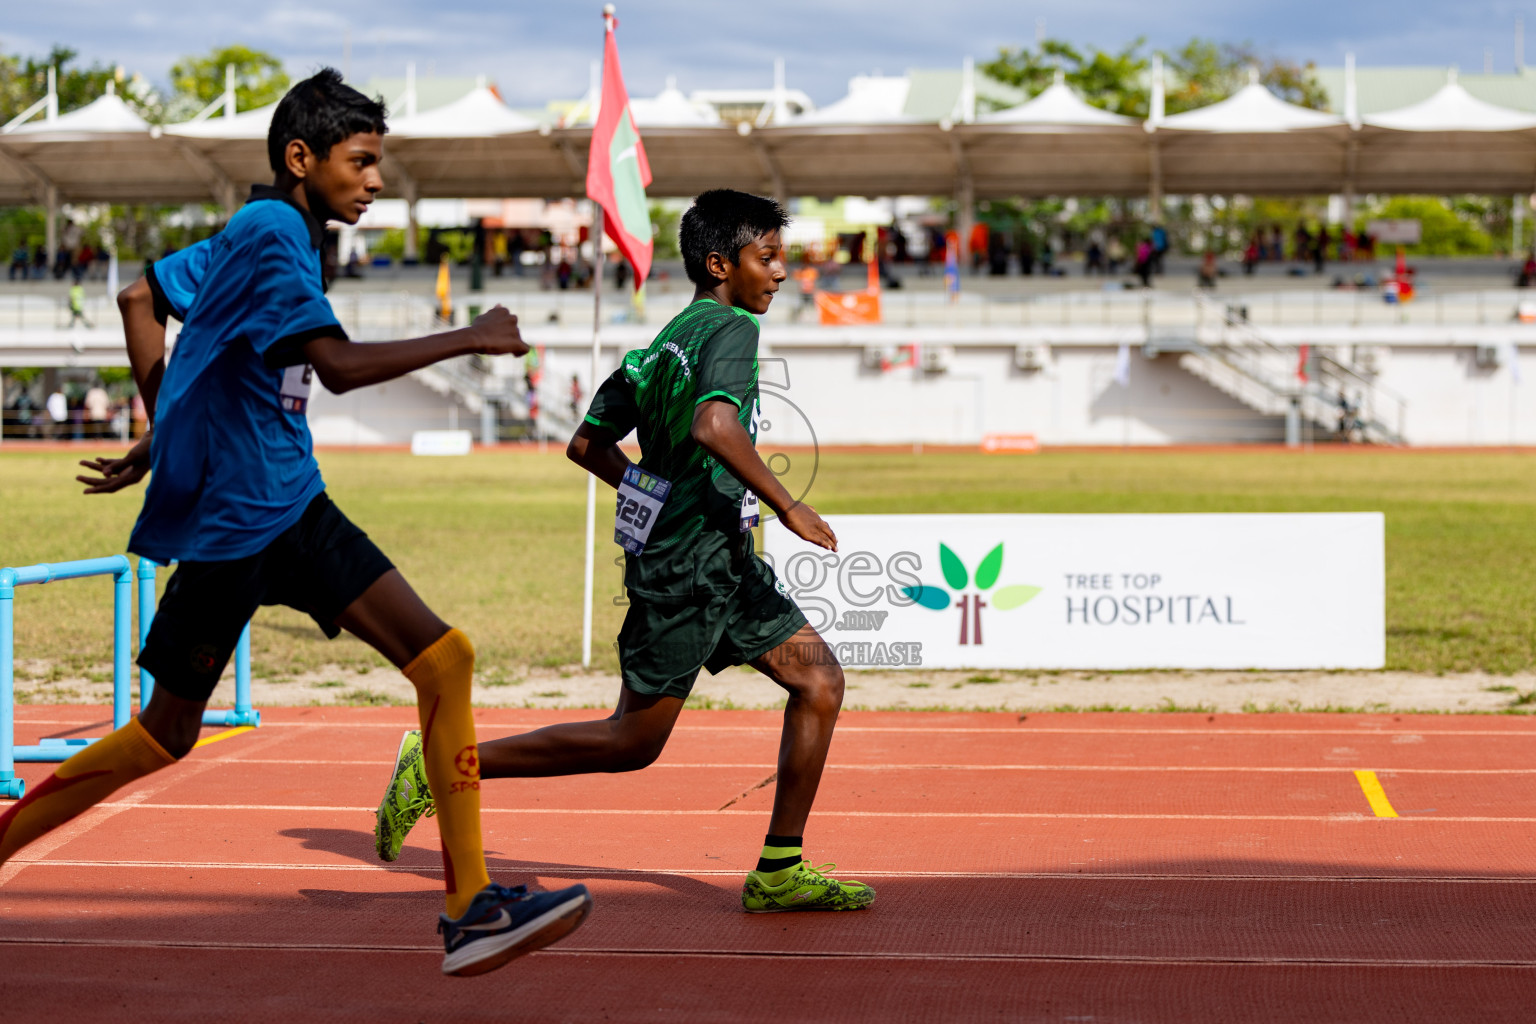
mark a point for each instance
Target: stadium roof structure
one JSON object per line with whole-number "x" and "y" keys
{"x": 671, "y": 109}
{"x": 1450, "y": 136}
{"x": 918, "y": 135}
{"x": 1380, "y": 89}
{"x": 102, "y": 152}
{"x": 1251, "y": 142}
{"x": 1055, "y": 143}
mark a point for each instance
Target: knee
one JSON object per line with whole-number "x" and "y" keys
{"x": 634, "y": 752}
{"x": 823, "y": 690}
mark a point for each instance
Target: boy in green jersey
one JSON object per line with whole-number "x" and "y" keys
{"x": 699, "y": 595}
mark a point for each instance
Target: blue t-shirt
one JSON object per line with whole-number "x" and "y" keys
{"x": 232, "y": 459}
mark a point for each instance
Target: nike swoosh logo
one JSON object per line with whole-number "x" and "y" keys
{"x": 502, "y": 920}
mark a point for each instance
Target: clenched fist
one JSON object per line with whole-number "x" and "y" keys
{"x": 497, "y": 334}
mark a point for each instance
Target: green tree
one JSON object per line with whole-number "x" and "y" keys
{"x": 1116, "y": 82}
{"x": 1202, "y": 71}
{"x": 1449, "y": 227}
{"x": 24, "y": 81}
{"x": 1199, "y": 73}
{"x": 198, "y": 81}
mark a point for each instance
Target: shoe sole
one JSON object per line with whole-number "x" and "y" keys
{"x": 806, "y": 910}
{"x": 485, "y": 955}
{"x": 378, "y": 816}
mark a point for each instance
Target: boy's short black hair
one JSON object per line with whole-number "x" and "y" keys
{"x": 725, "y": 221}
{"x": 322, "y": 110}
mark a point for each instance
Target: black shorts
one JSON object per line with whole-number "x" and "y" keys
{"x": 319, "y": 565}
{"x": 663, "y": 645}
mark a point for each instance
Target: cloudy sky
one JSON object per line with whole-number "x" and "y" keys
{"x": 537, "y": 51}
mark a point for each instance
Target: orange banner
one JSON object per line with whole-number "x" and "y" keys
{"x": 848, "y": 309}
{"x": 1010, "y": 444}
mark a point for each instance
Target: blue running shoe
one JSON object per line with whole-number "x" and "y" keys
{"x": 502, "y": 924}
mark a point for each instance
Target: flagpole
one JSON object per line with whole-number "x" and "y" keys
{"x": 597, "y": 334}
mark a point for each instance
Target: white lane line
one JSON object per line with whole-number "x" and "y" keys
{"x": 798, "y": 954}
{"x": 768, "y": 766}
{"x": 577, "y": 871}
{"x": 1022, "y": 730}
{"x": 1343, "y": 817}
{"x": 101, "y": 813}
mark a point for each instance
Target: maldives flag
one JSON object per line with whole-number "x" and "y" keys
{"x": 617, "y": 170}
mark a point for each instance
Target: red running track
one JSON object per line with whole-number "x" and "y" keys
{"x": 1049, "y": 867}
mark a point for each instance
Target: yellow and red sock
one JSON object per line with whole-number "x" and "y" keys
{"x": 81, "y": 783}
{"x": 442, "y": 675}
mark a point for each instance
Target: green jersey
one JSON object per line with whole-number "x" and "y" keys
{"x": 707, "y": 352}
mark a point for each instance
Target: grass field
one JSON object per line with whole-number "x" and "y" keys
{"x": 493, "y": 541}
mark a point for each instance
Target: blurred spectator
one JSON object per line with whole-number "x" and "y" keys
{"x": 98, "y": 411}
{"x": 1143, "y": 266}
{"x": 1527, "y": 271}
{"x": 1116, "y": 253}
{"x": 1159, "y": 247}
{"x": 806, "y": 277}
{"x": 979, "y": 233}
{"x": 1093, "y": 261}
{"x": 1320, "y": 249}
{"x": 997, "y": 254}
{"x": 1301, "y": 244}
{"x": 77, "y": 304}
{"x": 19, "y": 261}
{"x": 1253, "y": 253}
{"x": 39, "y": 262}
{"x": 1027, "y": 255}
{"x": 576, "y": 397}
{"x": 498, "y": 252}
{"x": 1208, "y": 271}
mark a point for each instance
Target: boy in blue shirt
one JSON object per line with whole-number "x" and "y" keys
{"x": 237, "y": 498}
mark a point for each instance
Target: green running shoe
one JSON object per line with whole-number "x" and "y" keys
{"x": 408, "y": 798}
{"x": 807, "y": 889}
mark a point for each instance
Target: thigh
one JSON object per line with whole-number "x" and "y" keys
{"x": 392, "y": 619}
{"x": 325, "y": 564}
{"x": 760, "y": 618}
{"x": 663, "y": 646}
{"x": 199, "y": 621}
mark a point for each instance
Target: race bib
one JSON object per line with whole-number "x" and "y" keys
{"x": 749, "y": 515}
{"x": 641, "y": 496}
{"x": 295, "y": 390}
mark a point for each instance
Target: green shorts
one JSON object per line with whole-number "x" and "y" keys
{"x": 662, "y": 646}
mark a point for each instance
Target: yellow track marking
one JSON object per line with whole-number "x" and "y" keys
{"x": 1374, "y": 794}
{"x": 226, "y": 734}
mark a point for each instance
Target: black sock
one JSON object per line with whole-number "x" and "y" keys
{"x": 779, "y": 852}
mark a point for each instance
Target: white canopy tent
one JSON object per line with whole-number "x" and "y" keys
{"x": 1451, "y": 136}
{"x": 1251, "y": 142}
{"x": 865, "y": 144}
{"x": 1055, "y": 143}
{"x": 671, "y": 109}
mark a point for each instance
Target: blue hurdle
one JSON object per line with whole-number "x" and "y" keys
{"x": 122, "y": 573}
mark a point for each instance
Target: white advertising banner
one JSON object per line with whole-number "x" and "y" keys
{"x": 1271, "y": 591}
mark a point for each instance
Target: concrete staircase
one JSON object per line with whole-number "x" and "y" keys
{"x": 1236, "y": 358}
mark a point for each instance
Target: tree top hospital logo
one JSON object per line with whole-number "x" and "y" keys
{"x": 958, "y": 577}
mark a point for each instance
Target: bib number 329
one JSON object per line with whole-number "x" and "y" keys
{"x": 641, "y": 496}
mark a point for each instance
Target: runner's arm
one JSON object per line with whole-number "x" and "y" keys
{"x": 145, "y": 334}
{"x": 596, "y": 450}
{"x": 344, "y": 365}
{"x": 717, "y": 428}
